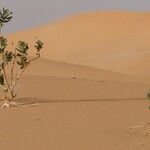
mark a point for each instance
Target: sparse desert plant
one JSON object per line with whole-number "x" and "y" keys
{"x": 148, "y": 95}
{"x": 12, "y": 61}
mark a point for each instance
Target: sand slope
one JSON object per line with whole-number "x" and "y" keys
{"x": 71, "y": 107}
{"x": 64, "y": 81}
{"x": 116, "y": 41}
{"x": 74, "y": 107}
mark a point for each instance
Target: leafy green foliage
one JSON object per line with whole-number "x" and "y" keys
{"x": 1, "y": 80}
{"x": 22, "y": 47}
{"x": 148, "y": 95}
{"x": 22, "y": 52}
{"x": 18, "y": 56}
{"x": 39, "y": 45}
{"x": 3, "y": 44}
{"x": 5, "y": 16}
{"x": 8, "y": 56}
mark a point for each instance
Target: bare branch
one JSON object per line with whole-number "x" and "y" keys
{"x": 21, "y": 73}
{"x": 16, "y": 92}
{"x": 35, "y": 58}
{"x": 13, "y": 65}
{"x": 6, "y": 80}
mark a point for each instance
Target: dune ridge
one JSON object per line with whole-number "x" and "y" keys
{"x": 117, "y": 41}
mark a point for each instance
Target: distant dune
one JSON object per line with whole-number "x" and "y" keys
{"x": 80, "y": 95}
{"x": 117, "y": 41}
{"x": 90, "y": 56}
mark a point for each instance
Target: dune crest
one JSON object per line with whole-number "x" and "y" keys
{"x": 108, "y": 40}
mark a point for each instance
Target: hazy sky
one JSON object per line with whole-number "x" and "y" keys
{"x": 30, "y": 13}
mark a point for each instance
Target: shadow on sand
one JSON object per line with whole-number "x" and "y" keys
{"x": 31, "y": 100}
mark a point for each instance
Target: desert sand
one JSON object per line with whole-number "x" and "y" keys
{"x": 117, "y": 41}
{"x": 89, "y": 89}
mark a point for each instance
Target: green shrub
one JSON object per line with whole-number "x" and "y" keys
{"x": 18, "y": 56}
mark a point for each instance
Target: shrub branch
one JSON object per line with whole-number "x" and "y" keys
{"x": 18, "y": 56}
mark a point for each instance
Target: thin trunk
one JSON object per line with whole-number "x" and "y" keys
{"x": 21, "y": 73}
{"x": 7, "y": 84}
{"x": 13, "y": 67}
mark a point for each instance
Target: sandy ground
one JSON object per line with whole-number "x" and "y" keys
{"x": 104, "y": 110}
{"x": 113, "y": 125}
{"x": 69, "y": 106}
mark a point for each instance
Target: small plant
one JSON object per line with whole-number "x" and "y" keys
{"x": 148, "y": 95}
{"x": 11, "y": 61}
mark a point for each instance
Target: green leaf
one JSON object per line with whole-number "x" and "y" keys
{"x": 1, "y": 80}
{"x": 3, "y": 44}
{"x": 39, "y": 45}
{"x": 22, "y": 47}
{"x": 148, "y": 95}
{"x": 19, "y": 55}
{"x": 8, "y": 56}
{"x": 5, "y": 15}
{"x": 19, "y": 63}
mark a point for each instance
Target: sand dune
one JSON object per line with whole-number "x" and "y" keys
{"x": 64, "y": 81}
{"x": 45, "y": 67}
{"x": 67, "y": 106}
{"x": 117, "y": 41}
